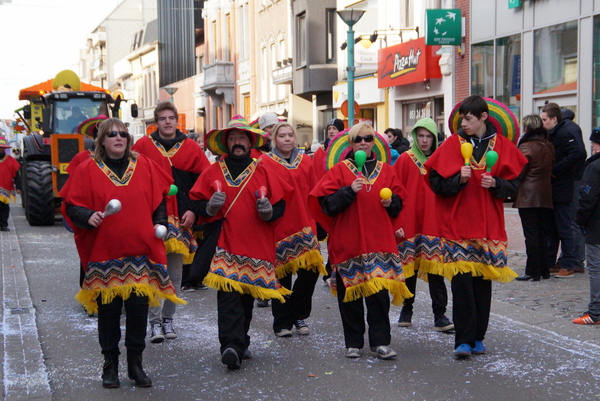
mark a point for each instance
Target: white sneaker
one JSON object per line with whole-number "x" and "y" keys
{"x": 157, "y": 336}
{"x": 168, "y": 329}
{"x": 302, "y": 327}
{"x": 353, "y": 353}
{"x": 383, "y": 352}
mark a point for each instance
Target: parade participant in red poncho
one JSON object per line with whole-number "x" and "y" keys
{"x": 9, "y": 168}
{"x": 298, "y": 250}
{"x": 265, "y": 123}
{"x": 470, "y": 206}
{"x": 362, "y": 246}
{"x": 419, "y": 245}
{"x": 183, "y": 160}
{"x": 243, "y": 200}
{"x": 124, "y": 261}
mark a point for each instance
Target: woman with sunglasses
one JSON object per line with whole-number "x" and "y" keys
{"x": 124, "y": 261}
{"x": 362, "y": 245}
{"x": 297, "y": 248}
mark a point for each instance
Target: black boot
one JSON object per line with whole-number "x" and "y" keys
{"x": 136, "y": 372}
{"x": 110, "y": 372}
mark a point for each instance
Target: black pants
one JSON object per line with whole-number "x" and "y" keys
{"x": 109, "y": 324}
{"x": 299, "y": 304}
{"x": 185, "y": 277}
{"x": 472, "y": 297}
{"x": 560, "y": 231}
{"x": 437, "y": 291}
{"x": 534, "y": 221}
{"x": 353, "y": 318}
{"x": 4, "y": 212}
{"x": 235, "y": 314}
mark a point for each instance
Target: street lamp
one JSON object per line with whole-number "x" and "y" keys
{"x": 170, "y": 90}
{"x": 350, "y": 17}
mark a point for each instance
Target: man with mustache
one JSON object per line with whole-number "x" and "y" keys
{"x": 240, "y": 200}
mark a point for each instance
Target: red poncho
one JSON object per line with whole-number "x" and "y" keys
{"x": 421, "y": 244}
{"x": 78, "y": 159}
{"x": 319, "y": 163}
{"x": 245, "y": 255}
{"x": 297, "y": 245}
{"x": 471, "y": 222}
{"x": 362, "y": 246}
{"x": 8, "y": 169}
{"x": 185, "y": 156}
{"x": 122, "y": 254}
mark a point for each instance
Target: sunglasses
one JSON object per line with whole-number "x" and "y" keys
{"x": 122, "y": 134}
{"x": 366, "y": 138}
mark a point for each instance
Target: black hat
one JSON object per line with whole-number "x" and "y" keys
{"x": 337, "y": 123}
{"x": 595, "y": 137}
{"x": 567, "y": 114}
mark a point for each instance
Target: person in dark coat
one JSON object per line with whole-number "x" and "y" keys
{"x": 588, "y": 217}
{"x": 578, "y": 239}
{"x": 568, "y": 154}
{"x": 534, "y": 198}
{"x": 397, "y": 140}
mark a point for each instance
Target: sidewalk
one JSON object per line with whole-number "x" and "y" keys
{"x": 24, "y": 372}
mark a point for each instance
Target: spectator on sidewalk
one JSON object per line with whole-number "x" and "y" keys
{"x": 534, "y": 199}
{"x": 578, "y": 238}
{"x": 567, "y": 155}
{"x": 9, "y": 168}
{"x": 397, "y": 140}
{"x": 588, "y": 218}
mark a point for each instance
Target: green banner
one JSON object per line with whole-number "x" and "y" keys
{"x": 514, "y": 3}
{"x": 443, "y": 27}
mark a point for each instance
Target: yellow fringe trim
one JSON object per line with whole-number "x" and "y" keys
{"x": 88, "y": 297}
{"x": 6, "y": 200}
{"x": 311, "y": 260}
{"x": 397, "y": 289}
{"x": 449, "y": 270}
{"x": 410, "y": 269}
{"x": 172, "y": 245}
{"x": 221, "y": 283}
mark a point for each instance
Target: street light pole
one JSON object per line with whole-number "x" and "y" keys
{"x": 350, "y": 17}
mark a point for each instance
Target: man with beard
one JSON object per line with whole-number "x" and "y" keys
{"x": 242, "y": 199}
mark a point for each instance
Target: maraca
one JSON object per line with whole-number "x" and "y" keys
{"x": 173, "y": 190}
{"x": 385, "y": 193}
{"x": 491, "y": 157}
{"x": 113, "y": 206}
{"x": 160, "y": 231}
{"x": 360, "y": 157}
{"x": 217, "y": 185}
{"x": 261, "y": 192}
{"x": 466, "y": 149}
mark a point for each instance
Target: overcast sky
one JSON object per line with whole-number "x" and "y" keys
{"x": 39, "y": 38}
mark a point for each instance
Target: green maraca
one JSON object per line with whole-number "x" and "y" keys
{"x": 491, "y": 157}
{"x": 173, "y": 190}
{"x": 360, "y": 157}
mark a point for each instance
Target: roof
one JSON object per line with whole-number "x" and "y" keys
{"x": 34, "y": 90}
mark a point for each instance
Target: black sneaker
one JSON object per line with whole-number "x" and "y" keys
{"x": 186, "y": 288}
{"x": 4, "y": 228}
{"x": 262, "y": 303}
{"x": 405, "y": 319}
{"x": 443, "y": 324}
{"x": 201, "y": 287}
{"x": 230, "y": 358}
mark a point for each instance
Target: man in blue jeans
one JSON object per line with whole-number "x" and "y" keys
{"x": 588, "y": 218}
{"x": 567, "y": 155}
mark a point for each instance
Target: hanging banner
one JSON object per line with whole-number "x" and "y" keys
{"x": 407, "y": 63}
{"x": 443, "y": 27}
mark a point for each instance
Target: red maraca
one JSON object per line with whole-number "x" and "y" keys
{"x": 262, "y": 192}
{"x": 218, "y": 186}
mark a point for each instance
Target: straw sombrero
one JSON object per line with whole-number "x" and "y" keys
{"x": 3, "y": 142}
{"x": 500, "y": 116}
{"x": 89, "y": 127}
{"x": 216, "y": 140}
{"x": 339, "y": 147}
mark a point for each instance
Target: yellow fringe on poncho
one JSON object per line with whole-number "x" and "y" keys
{"x": 488, "y": 272}
{"x": 7, "y": 199}
{"x": 173, "y": 245}
{"x": 311, "y": 260}
{"x": 397, "y": 289}
{"x": 88, "y": 298}
{"x": 221, "y": 283}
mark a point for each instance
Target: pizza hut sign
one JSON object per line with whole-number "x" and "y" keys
{"x": 407, "y": 63}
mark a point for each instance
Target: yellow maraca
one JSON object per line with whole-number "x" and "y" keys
{"x": 466, "y": 149}
{"x": 385, "y": 193}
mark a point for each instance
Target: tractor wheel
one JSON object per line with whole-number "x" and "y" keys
{"x": 39, "y": 209}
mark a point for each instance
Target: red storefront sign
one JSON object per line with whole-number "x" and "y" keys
{"x": 407, "y": 63}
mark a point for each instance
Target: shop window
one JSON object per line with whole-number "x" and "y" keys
{"x": 508, "y": 72}
{"x": 482, "y": 69}
{"x": 301, "y": 39}
{"x": 555, "y": 58}
{"x": 330, "y": 28}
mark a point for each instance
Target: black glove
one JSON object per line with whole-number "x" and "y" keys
{"x": 265, "y": 210}
{"x": 217, "y": 200}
